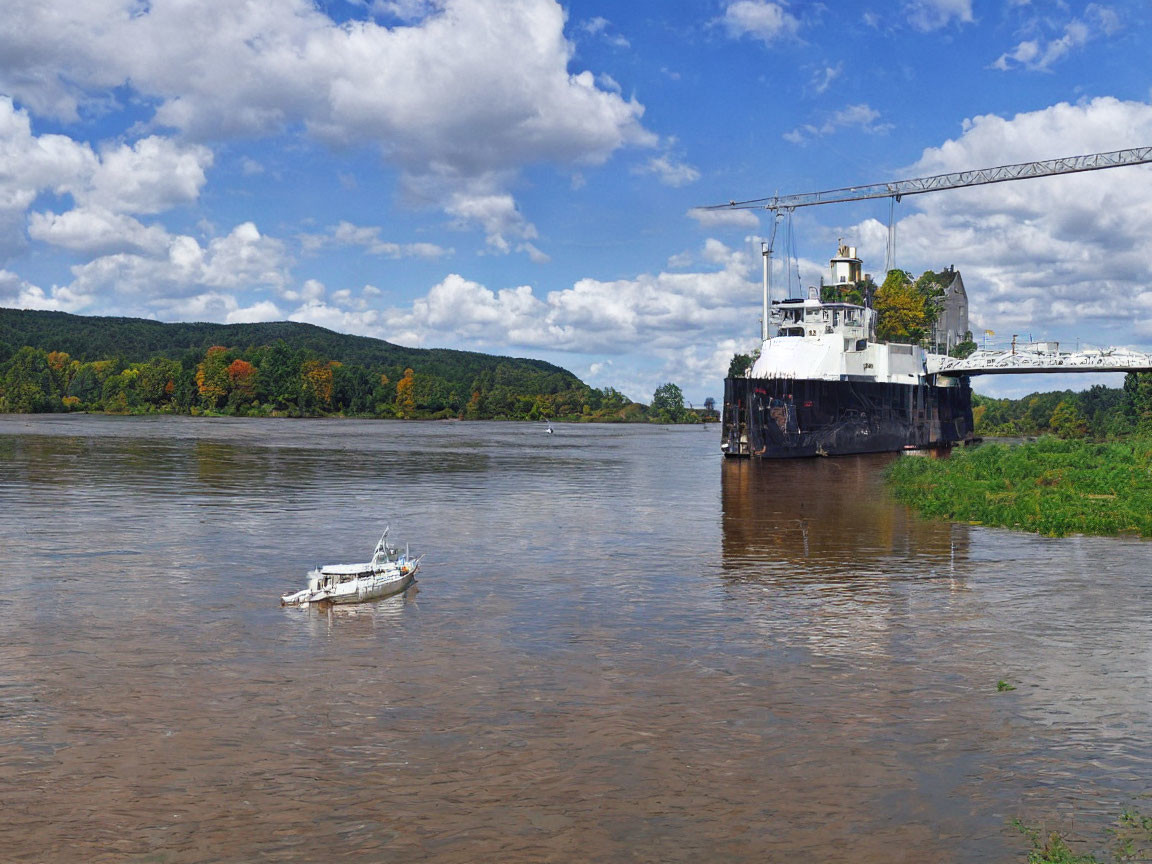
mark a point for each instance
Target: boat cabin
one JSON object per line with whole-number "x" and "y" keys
{"x": 813, "y": 318}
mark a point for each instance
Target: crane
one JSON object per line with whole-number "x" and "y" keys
{"x": 897, "y": 189}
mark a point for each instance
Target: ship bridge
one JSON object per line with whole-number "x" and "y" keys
{"x": 1039, "y": 357}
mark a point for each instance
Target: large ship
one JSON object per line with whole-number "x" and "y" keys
{"x": 823, "y": 386}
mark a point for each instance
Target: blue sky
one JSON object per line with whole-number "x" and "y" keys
{"x": 520, "y": 176}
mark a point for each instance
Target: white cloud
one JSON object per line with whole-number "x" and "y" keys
{"x": 364, "y": 322}
{"x": 669, "y": 170}
{"x": 710, "y": 219}
{"x": 1041, "y": 54}
{"x": 861, "y": 116}
{"x": 472, "y": 91}
{"x": 153, "y": 175}
{"x": 649, "y": 313}
{"x": 760, "y": 19}
{"x": 367, "y": 237}
{"x": 95, "y": 230}
{"x": 240, "y": 260}
{"x": 150, "y": 176}
{"x": 598, "y": 26}
{"x": 265, "y": 310}
{"x": 482, "y": 203}
{"x": 927, "y": 15}
{"x": 1060, "y": 257}
{"x": 17, "y": 293}
{"x": 822, "y": 79}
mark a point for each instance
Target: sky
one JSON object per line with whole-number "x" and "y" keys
{"x": 524, "y": 177}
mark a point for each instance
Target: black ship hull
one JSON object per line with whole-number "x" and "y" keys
{"x": 782, "y": 418}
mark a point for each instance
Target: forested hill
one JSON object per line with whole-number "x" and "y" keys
{"x": 53, "y": 361}
{"x": 86, "y": 338}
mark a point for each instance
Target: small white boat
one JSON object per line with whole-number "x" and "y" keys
{"x": 389, "y": 572}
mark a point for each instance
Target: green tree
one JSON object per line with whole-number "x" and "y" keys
{"x": 1067, "y": 421}
{"x": 668, "y": 404}
{"x": 902, "y": 310}
{"x": 740, "y": 363}
{"x": 26, "y": 383}
{"x": 1138, "y": 399}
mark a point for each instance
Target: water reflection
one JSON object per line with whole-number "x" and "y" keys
{"x": 804, "y": 519}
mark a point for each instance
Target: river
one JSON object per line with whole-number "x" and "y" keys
{"x": 621, "y": 647}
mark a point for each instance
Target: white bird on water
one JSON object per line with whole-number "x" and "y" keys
{"x": 549, "y": 424}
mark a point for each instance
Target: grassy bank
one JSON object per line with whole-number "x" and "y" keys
{"x": 1050, "y": 486}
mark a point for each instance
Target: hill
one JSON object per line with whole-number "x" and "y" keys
{"x": 54, "y": 361}
{"x": 88, "y": 338}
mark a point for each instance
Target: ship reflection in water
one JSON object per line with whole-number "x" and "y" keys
{"x": 805, "y": 519}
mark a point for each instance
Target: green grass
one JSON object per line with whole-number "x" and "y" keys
{"x": 1050, "y": 486}
{"x": 1127, "y": 841}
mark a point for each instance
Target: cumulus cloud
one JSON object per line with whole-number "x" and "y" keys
{"x": 95, "y": 230}
{"x": 927, "y": 15}
{"x": 1065, "y": 256}
{"x": 860, "y": 116}
{"x": 332, "y": 316}
{"x": 152, "y": 175}
{"x": 241, "y": 260}
{"x": 650, "y": 312}
{"x": 760, "y": 19}
{"x": 17, "y": 293}
{"x": 471, "y": 90}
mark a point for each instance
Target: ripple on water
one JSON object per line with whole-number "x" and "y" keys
{"x": 619, "y": 646}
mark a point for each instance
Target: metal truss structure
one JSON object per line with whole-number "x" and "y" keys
{"x": 899, "y": 188}
{"x": 1022, "y": 361}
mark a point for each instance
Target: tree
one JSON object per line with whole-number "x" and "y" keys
{"x": 242, "y": 379}
{"x": 902, "y": 313}
{"x": 1067, "y": 421}
{"x": 668, "y": 404}
{"x": 212, "y": 377}
{"x": 316, "y": 385}
{"x": 26, "y": 386}
{"x": 405, "y": 395}
{"x": 740, "y": 364}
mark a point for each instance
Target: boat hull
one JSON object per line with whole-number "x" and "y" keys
{"x": 370, "y": 588}
{"x": 782, "y": 418}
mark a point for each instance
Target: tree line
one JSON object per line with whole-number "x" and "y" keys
{"x": 1099, "y": 412}
{"x": 278, "y": 380}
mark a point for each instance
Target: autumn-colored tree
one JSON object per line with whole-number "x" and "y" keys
{"x": 60, "y": 365}
{"x": 316, "y": 383}
{"x": 242, "y": 378}
{"x": 212, "y": 377}
{"x": 405, "y": 394}
{"x": 902, "y": 313}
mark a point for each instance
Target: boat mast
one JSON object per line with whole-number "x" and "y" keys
{"x": 766, "y": 251}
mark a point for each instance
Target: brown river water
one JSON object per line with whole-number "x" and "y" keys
{"x": 621, "y": 647}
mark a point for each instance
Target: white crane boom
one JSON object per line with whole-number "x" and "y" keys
{"x": 899, "y": 188}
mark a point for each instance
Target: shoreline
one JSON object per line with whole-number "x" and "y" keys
{"x": 1052, "y": 487}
